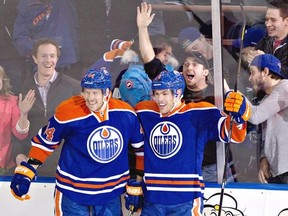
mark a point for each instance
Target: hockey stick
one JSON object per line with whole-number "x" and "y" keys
{"x": 227, "y": 152}
{"x": 241, "y": 47}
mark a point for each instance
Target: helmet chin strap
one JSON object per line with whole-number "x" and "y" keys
{"x": 104, "y": 105}
{"x": 105, "y": 102}
{"x": 176, "y": 101}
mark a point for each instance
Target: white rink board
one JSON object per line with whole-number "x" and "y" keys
{"x": 41, "y": 202}
{"x": 261, "y": 201}
{"x": 240, "y": 199}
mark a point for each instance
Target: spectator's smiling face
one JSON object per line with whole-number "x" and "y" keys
{"x": 276, "y": 26}
{"x": 46, "y": 59}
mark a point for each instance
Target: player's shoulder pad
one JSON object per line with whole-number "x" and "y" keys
{"x": 146, "y": 105}
{"x": 119, "y": 104}
{"x": 199, "y": 105}
{"x": 72, "y": 108}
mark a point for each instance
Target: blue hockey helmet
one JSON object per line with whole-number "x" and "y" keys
{"x": 96, "y": 79}
{"x": 172, "y": 80}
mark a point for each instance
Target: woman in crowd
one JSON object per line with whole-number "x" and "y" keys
{"x": 14, "y": 119}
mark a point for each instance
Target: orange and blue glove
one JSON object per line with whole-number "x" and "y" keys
{"x": 20, "y": 184}
{"x": 134, "y": 196}
{"x": 236, "y": 105}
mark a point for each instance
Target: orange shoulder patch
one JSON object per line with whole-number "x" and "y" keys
{"x": 202, "y": 104}
{"x": 74, "y": 107}
{"x": 147, "y": 105}
{"x": 119, "y": 104}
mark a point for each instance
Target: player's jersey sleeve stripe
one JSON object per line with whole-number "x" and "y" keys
{"x": 42, "y": 147}
{"x": 238, "y": 131}
{"x": 39, "y": 153}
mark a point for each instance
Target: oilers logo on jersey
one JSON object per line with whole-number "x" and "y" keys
{"x": 165, "y": 139}
{"x": 105, "y": 144}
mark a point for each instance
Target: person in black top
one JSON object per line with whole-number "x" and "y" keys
{"x": 199, "y": 88}
{"x": 276, "y": 42}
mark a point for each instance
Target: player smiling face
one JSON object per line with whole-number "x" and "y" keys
{"x": 165, "y": 100}
{"x": 167, "y": 90}
{"x": 96, "y": 85}
{"x": 94, "y": 99}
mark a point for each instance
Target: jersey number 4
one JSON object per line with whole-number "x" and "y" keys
{"x": 49, "y": 133}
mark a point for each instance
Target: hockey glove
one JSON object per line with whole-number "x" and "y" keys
{"x": 134, "y": 196}
{"x": 23, "y": 175}
{"x": 236, "y": 105}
